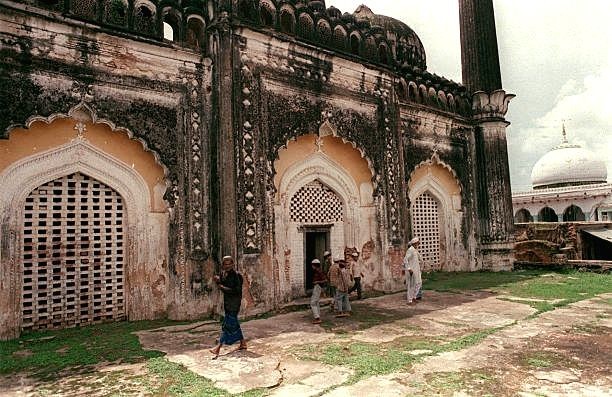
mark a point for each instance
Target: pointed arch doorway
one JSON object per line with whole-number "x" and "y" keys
{"x": 324, "y": 202}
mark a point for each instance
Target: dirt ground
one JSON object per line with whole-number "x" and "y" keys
{"x": 468, "y": 344}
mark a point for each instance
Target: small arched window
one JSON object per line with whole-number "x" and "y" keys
{"x": 144, "y": 19}
{"x": 194, "y": 37}
{"x": 355, "y": 44}
{"x": 171, "y": 27}
{"x": 306, "y": 26}
{"x": 324, "y": 31}
{"x": 115, "y": 12}
{"x": 266, "y": 16}
{"x": 168, "y": 32}
{"x": 383, "y": 54}
{"x": 340, "y": 38}
{"x": 287, "y": 22}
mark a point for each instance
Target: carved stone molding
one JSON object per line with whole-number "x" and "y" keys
{"x": 196, "y": 171}
{"x": 392, "y": 166}
{"x": 492, "y": 105}
{"x": 250, "y": 227}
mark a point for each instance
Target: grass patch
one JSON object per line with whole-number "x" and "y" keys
{"x": 44, "y": 354}
{"x": 563, "y": 286}
{"x": 541, "y": 359}
{"x": 371, "y": 359}
{"x": 471, "y": 383}
{"x": 452, "y": 281}
{"x": 570, "y": 286}
{"x": 446, "y": 381}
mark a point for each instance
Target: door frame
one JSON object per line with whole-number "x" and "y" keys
{"x": 305, "y": 229}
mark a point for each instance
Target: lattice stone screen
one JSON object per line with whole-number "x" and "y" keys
{"x": 316, "y": 203}
{"x": 73, "y": 254}
{"x": 426, "y": 226}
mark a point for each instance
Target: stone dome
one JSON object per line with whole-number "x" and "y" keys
{"x": 568, "y": 165}
{"x": 407, "y": 45}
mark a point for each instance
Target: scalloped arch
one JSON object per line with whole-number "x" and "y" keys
{"x": 335, "y": 134}
{"x": 435, "y": 160}
{"x": 84, "y": 113}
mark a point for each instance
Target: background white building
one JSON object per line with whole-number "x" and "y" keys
{"x": 569, "y": 184}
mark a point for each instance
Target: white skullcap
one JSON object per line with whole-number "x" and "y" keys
{"x": 413, "y": 241}
{"x": 316, "y": 262}
{"x": 227, "y": 257}
{"x": 326, "y": 253}
{"x": 355, "y": 254}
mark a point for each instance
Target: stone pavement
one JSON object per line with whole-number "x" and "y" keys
{"x": 271, "y": 362}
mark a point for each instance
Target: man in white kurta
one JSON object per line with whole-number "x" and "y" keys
{"x": 412, "y": 266}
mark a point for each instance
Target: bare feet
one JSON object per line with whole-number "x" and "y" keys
{"x": 215, "y": 352}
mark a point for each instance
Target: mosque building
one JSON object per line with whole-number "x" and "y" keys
{"x": 141, "y": 141}
{"x": 569, "y": 184}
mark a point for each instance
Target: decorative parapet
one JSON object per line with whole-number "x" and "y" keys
{"x": 492, "y": 105}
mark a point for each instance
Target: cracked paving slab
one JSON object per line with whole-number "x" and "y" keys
{"x": 269, "y": 362}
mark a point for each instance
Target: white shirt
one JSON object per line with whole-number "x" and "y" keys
{"x": 412, "y": 261}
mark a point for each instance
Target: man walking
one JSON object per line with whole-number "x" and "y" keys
{"x": 332, "y": 276}
{"x": 319, "y": 280}
{"x": 412, "y": 267}
{"x": 357, "y": 272}
{"x": 230, "y": 283}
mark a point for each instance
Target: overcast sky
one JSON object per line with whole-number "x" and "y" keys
{"x": 556, "y": 56}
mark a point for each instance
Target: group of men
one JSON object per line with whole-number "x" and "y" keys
{"x": 339, "y": 277}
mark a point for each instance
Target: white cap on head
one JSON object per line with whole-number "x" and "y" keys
{"x": 227, "y": 258}
{"x": 316, "y": 262}
{"x": 355, "y": 254}
{"x": 413, "y": 241}
{"x": 339, "y": 259}
{"x": 326, "y": 253}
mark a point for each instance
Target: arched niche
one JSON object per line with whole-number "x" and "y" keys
{"x": 547, "y": 214}
{"x": 146, "y": 230}
{"x": 324, "y": 164}
{"x": 436, "y": 215}
{"x": 573, "y": 213}
{"x": 523, "y": 216}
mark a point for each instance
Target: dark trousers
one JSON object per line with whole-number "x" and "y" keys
{"x": 356, "y": 287}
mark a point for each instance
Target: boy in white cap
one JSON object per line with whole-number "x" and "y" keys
{"x": 412, "y": 267}
{"x": 319, "y": 279}
{"x": 357, "y": 272}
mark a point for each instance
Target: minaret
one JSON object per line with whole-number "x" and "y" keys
{"x": 482, "y": 77}
{"x": 479, "y": 54}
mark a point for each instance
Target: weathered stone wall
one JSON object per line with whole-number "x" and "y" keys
{"x": 548, "y": 242}
{"x": 156, "y": 94}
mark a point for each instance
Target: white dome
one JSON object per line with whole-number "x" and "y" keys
{"x": 568, "y": 164}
